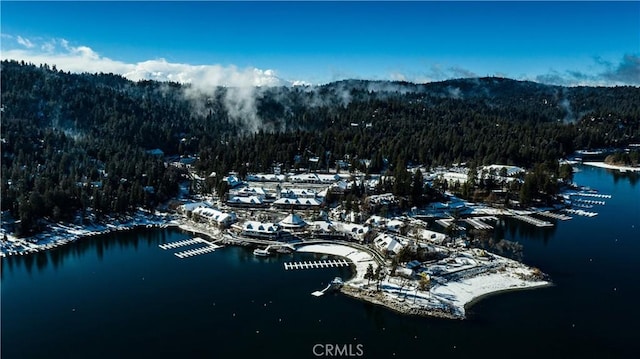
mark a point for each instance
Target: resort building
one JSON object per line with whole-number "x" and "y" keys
{"x": 188, "y": 208}
{"x": 215, "y": 216}
{"x": 261, "y": 177}
{"x": 246, "y": 202}
{"x": 292, "y": 222}
{"x": 297, "y": 203}
{"x": 394, "y": 225}
{"x": 262, "y": 230}
{"x": 387, "y": 244}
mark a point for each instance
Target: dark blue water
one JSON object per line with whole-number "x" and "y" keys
{"x": 120, "y": 296}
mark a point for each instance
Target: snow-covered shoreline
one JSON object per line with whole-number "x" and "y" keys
{"x": 447, "y": 300}
{"x": 612, "y": 167}
{"x": 59, "y": 234}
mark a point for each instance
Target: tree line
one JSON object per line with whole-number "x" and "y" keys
{"x": 73, "y": 142}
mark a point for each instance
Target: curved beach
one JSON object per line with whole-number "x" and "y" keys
{"x": 443, "y": 299}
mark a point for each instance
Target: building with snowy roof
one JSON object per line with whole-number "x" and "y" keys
{"x": 188, "y": 208}
{"x": 215, "y": 216}
{"x": 292, "y": 222}
{"x": 298, "y": 203}
{"x": 266, "y": 177}
{"x": 261, "y": 230}
{"x": 233, "y": 181}
{"x": 387, "y": 244}
{"x": 247, "y": 202}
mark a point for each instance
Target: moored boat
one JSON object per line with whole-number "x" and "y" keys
{"x": 261, "y": 252}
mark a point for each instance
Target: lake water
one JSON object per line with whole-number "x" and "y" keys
{"x": 121, "y": 296}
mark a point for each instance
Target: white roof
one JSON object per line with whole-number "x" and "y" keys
{"x": 298, "y": 201}
{"x": 246, "y": 200}
{"x": 265, "y": 177}
{"x": 292, "y": 221}
{"x": 194, "y": 205}
{"x": 215, "y": 214}
{"x": 251, "y": 191}
{"x": 260, "y": 227}
{"x": 386, "y": 242}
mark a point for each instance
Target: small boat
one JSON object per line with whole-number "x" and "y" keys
{"x": 261, "y": 252}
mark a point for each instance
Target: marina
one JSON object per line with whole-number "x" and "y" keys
{"x": 316, "y": 264}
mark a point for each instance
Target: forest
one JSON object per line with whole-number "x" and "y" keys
{"x": 73, "y": 142}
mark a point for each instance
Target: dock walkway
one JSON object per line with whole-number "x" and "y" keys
{"x": 478, "y": 223}
{"x": 207, "y": 248}
{"x": 182, "y": 243}
{"x": 196, "y": 251}
{"x": 316, "y": 264}
{"x": 536, "y": 222}
{"x": 560, "y": 216}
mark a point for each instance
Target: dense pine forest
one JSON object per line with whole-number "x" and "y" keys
{"x": 71, "y": 142}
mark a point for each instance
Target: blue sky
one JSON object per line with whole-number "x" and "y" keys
{"x": 571, "y": 43}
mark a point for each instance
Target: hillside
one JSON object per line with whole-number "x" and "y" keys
{"x": 77, "y": 141}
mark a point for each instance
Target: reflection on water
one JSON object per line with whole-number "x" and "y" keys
{"x": 134, "y": 299}
{"x": 632, "y": 177}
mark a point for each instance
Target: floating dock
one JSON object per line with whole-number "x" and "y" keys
{"x": 317, "y": 264}
{"x": 477, "y": 223}
{"x": 560, "y": 216}
{"x": 590, "y": 201}
{"x": 536, "y": 222}
{"x": 596, "y": 195}
{"x": 580, "y": 212}
{"x": 196, "y": 251}
{"x": 208, "y": 248}
{"x": 182, "y": 243}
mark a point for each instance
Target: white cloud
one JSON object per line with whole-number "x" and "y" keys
{"x": 68, "y": 57}
{"x": 25, "y": 42}
{"x": 607, "y": 73}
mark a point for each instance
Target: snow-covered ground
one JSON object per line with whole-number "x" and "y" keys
{"x": 612, "y": 167}
{"x": 360, "y": 258}
{"x": 484, "y": 275}
{"x": 62, "y": 233}
{"x": 461, "y": 292}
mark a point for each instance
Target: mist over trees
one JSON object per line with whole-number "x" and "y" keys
{"x": 76, "y": 141}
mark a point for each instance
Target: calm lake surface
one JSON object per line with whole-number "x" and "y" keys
{"x": 121, "y": 296}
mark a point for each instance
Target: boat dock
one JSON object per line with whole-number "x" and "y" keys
{"x": 590, "y": 201}
{"x": 196, "y": 251}
{"x": 317, "y": 264}
{"x": 560, "y": 216}
{"x": 182, "y": 243}
{"x": 208, "y": 248}
{"x": 536, "y": 222}
{"x": 596, "y": 195}
{"x": 477, "y": 223}
{"x": 580, "y": 212}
